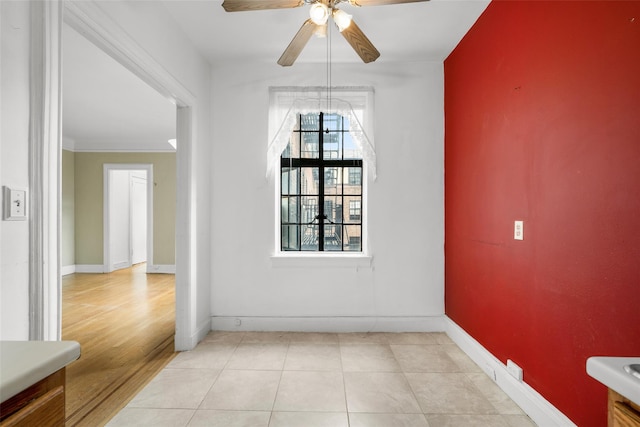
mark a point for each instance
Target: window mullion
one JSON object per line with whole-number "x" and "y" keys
{"x": 299, "y": 192}
{"x": 321, "y": 211}
{"x": 341, "y": 173}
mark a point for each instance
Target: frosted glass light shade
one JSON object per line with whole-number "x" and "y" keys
{"x": 342, "y": 19}
{"x": 319, "y": 13}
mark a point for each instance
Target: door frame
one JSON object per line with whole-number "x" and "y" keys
{"x": 45, "y": 282}
{"x": 106, "y": 215}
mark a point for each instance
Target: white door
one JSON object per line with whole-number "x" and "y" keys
{"x": 119, "y": 219}
{"x": 128, "y": 215}
{"x": 138, "y": 216}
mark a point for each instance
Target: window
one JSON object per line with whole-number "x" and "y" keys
{"x": 321, "y": 214}
{"x": 355, "y": 176}
{"x": 354, "y": 210}
{"x": 319, "y": 164}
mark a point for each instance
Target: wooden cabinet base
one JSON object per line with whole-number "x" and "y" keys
{"x": 622, "y": 412}
{"x": 42, "y": 404}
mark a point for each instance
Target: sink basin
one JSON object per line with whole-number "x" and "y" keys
{"x": 633, "y": 369}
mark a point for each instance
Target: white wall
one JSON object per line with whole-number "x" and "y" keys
{"x": 405, "y": 285}
{"x": 14, "y": 134}
{"x": 234, "y": 274}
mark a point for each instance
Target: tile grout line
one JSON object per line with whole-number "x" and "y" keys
{"x": 344, "y": 385}
{"x": 275, "y": 397}
{"x": 220, "y": 371}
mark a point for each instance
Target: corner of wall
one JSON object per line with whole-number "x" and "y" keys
{"x": 541, "y": 411}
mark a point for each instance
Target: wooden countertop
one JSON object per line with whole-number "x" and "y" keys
{"x": 24, "y": 363}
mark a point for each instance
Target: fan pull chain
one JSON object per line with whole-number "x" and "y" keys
{"x": 328, "y": 67}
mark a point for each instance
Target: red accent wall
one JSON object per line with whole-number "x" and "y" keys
{"x": 542, "y": 124}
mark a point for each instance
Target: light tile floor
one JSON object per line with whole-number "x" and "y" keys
{"x": 283, "y": 379}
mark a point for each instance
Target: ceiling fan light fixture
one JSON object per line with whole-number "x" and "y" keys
{"x": 319, "y": 13}
{"x": 320, "y": 31}
{"x": 342, "y": 19}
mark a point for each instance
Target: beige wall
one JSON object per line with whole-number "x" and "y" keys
{"x": 89, "y": 204}
{"x": 67, "y": 250}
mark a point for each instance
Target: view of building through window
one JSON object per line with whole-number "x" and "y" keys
{"x": 321, "y": 187}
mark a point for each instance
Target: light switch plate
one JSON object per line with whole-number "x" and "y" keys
{"x": 14, "y": 207}
{"x": 518, "y": 230}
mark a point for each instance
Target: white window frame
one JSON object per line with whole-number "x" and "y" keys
{"x": 361, "y": 100}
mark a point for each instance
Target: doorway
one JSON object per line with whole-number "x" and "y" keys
{"x": 45, "y": 280}
{"x": 128, "y": 215}
{"x": 123, "y": 317}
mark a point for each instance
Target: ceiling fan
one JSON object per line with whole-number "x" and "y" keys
{"x": 319, "y": 13}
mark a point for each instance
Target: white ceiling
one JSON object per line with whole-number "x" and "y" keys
{"x": 402, "y": 32}
{"x": 105, "y": 107}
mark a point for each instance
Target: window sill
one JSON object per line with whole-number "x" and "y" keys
{"x": 288, "y": 260}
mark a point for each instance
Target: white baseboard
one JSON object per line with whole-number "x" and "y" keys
{"x": 163, "y": 269}
{"x": 190, "y": 342}
{"x": 65, "y": 270}
{"x": 89, "y": 268}
{"x": 328, "y": 324}
{"x": 99, "y": 268}
{"x": 121, "y": 265}
{"x": 203, "y": 329}
{"x": 540, "y": 410}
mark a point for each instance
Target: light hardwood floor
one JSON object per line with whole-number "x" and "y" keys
{"x": 125, "y": 323}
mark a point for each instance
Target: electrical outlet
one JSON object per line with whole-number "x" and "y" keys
{"x": 514, "y": 370}
{"x": 518, "y": 230}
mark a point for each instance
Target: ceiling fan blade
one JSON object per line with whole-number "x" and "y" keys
{"x": 247, "y": 5}
{"x": 360, "y": 43}
{"x": 297, "y": 44}
{"x": 380, "y": 2}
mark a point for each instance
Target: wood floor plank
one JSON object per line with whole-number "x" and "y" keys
{"x": 125, "y": 323}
